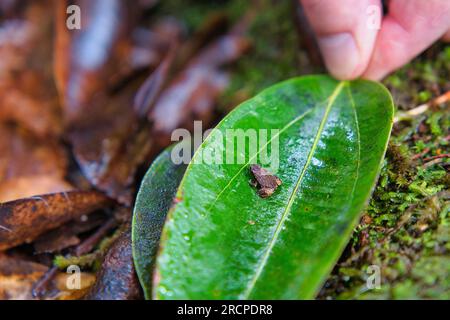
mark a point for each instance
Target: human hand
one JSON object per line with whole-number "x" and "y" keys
{"x": 352, "y": 46}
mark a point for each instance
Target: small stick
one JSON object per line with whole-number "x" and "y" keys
{"x": 88, "y": 244}
{"x": 422, "y": 108}
{"x": 440, "y": 156}
{"x": 5, "y": 228}
{"x": 42, "y": 284}
{"x": 432, "y": 162}
{"x": 420, "y": 155}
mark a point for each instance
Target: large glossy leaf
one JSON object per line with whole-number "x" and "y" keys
{"x": 223, "y": 241}
{"x": 153, "y": 201}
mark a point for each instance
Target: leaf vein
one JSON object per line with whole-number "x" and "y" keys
{"x": 278, "y": 228}
{"x": 287, "y": 126}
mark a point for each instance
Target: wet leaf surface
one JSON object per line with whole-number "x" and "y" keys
{"x": 221, "y": 240}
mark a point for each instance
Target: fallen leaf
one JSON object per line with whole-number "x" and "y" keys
{"x": 30, "y": 165}
{"x": 117, "y": 279}
{"x": 22, "y": 154}
{"x": 68, "y": 234}
{"x": 25, "y": 187}
{"x": 149, "y": 91}
{"x": 108, "y": 49}
{"x": 193, "y": 93}
{"x": 264, "y": 181}
{"x": 109, "y": 145}
{"x": 60, "y": 282}
{"x": 27, "y": 90}
{"x": 108, "y": 139}
{"x": 85, "y": 59}
{"x": 25, "y": 219}
{"x": 17, "y": 277}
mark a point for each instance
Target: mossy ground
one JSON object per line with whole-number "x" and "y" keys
{"x": 406, "y": 228}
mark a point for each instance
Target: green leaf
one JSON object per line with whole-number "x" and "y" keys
{"x": 153, "y": 201}
{"x": 223, "y": 241}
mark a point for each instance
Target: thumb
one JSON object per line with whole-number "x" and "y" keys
{"x": 346, "y": 31}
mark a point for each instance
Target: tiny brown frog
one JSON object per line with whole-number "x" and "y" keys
{"x": 264, "y": 181}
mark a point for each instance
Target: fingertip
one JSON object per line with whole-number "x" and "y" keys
{"x": 340, "y": 54}
{"x": 346, "y": 32}
{"x": 373, "y": 75}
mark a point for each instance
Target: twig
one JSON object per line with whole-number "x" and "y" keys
{"x": 422, "y": 108}
{"x": 403, "y": 220}
{"x": 420, "y": 155}
{"x": 433, "y": 162}
{"x": 5, "y": 228}
{"x": 439, "y": 156}
{"x": 87, "y": 245}
{"x": 41, "y": 285}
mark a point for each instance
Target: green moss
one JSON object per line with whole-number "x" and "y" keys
{"x": 91, "y": 260}
{"x": 408, "y": 230}
{"x": 191, "y": 12}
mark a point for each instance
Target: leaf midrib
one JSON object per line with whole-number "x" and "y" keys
{"x": 282, "y": 130}
{"x": 286, "y": 212}
{"x": 287, "y": 126}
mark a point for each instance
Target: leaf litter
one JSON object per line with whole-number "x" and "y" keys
{"x": 79, "y": 119}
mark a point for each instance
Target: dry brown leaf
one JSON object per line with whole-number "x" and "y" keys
{"x": 27, "y": 91}
{"x": 23, "y": 155}
{"x": 109, "y": 142}
{"x": 107, "y": 50}
{"x": 109, "y": 145}
{"x": 17, "y": 277}
{"x": 61, "y": 280}
{"x": 67, "y": 235}
{"x": 117, "y": 278}
{"x": 25, "y": 219}
{"x": 193, "y": 93}
{"x": 86, "y": 59}
{"x": 26, "y": 187}
{"x": 30, "y": 165}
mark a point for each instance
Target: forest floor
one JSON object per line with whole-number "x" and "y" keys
{"x": 67, "y": 189}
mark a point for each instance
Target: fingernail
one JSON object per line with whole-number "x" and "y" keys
{"x": 340, "y": 54}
